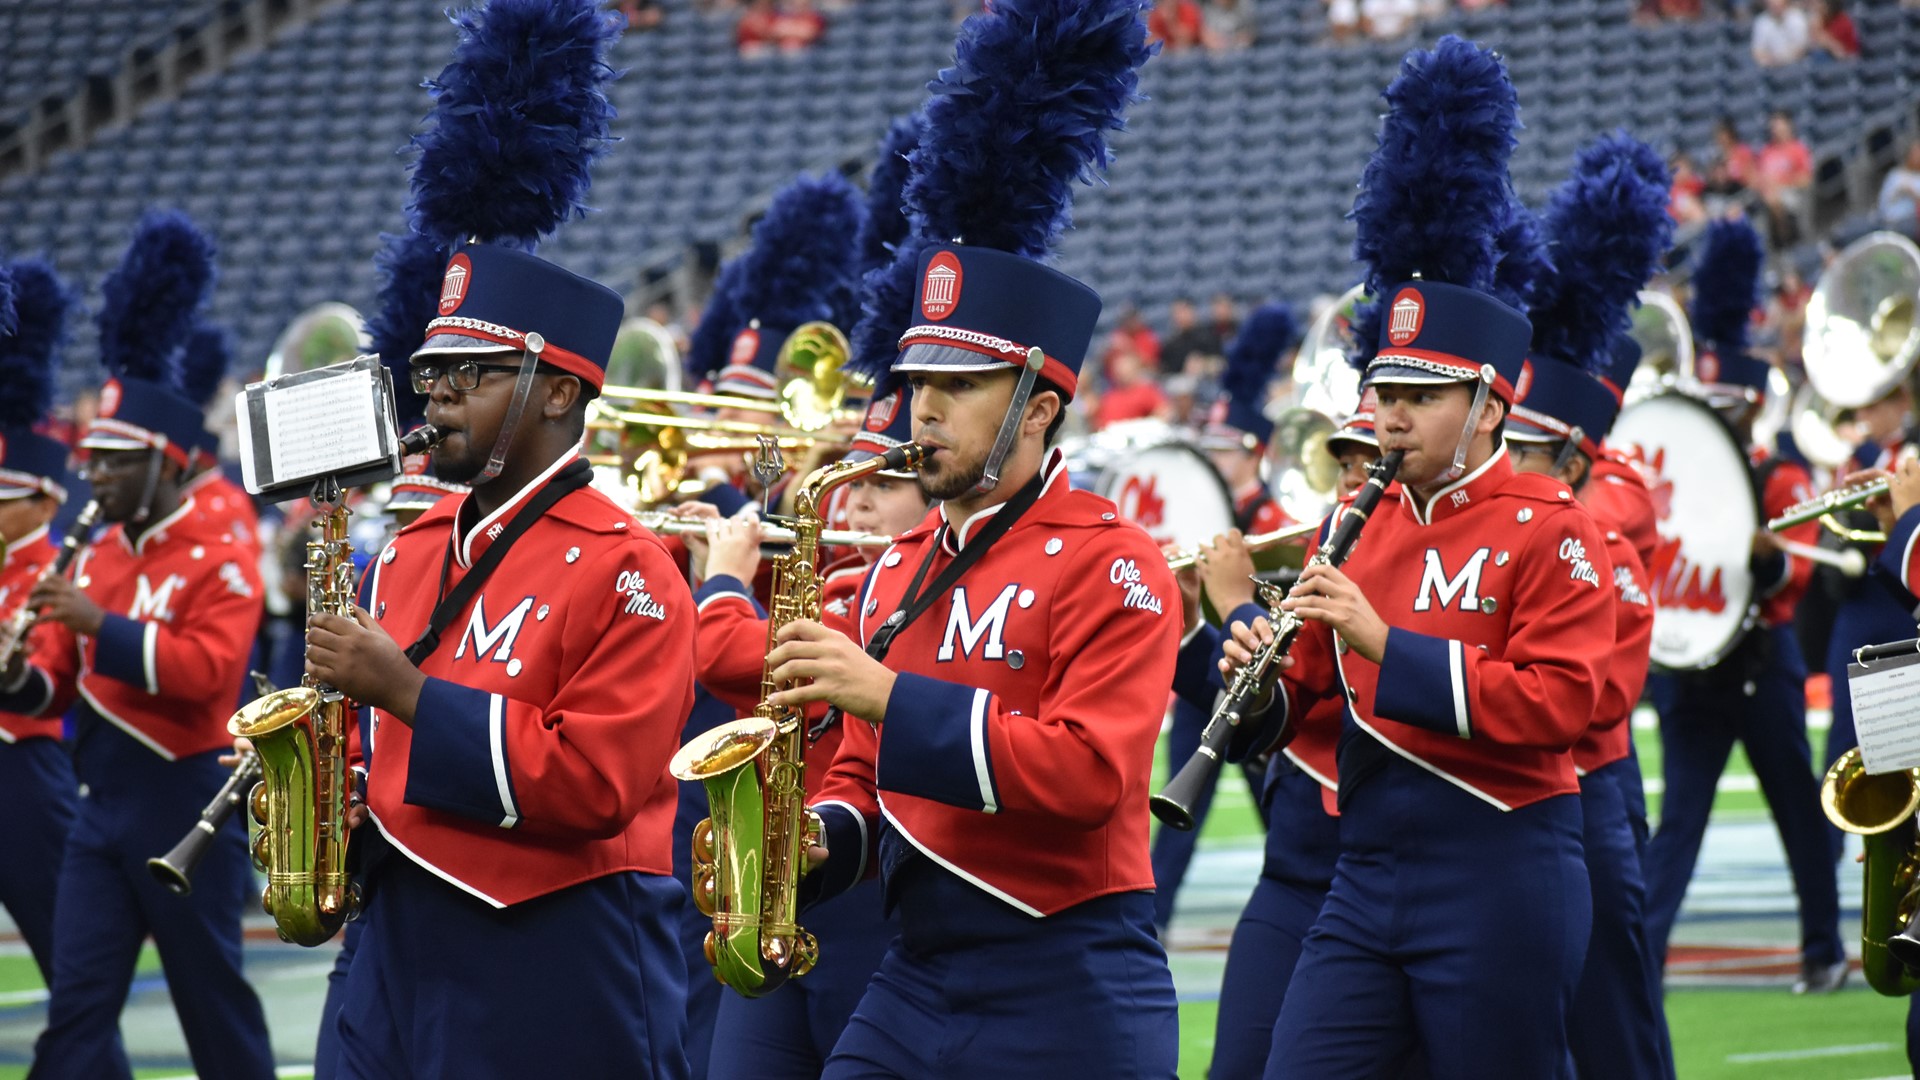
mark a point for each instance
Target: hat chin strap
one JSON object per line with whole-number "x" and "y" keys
{"x": 145, "y": 509}
{"x": 1010, "y": 425}
{"x": 1568, "y": 448}
{"x": 522, "y": 389}
{"x": 1459, "y": 467}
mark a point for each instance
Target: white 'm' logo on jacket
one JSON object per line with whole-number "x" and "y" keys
{"x": 152, "y": 603}
{"x": 1465, "y": 584}
{"x": 502, "y": 634}
{"x": 961, "y": 624}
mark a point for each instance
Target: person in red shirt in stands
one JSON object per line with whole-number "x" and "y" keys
{"x": 1131, "y": 394}
{"x": 1783, "y": 175}
{"x": 1832, "y": 35}
{"x": 755, "y": 32}
{"x": 1734, "y": 152}
{"x": 1176, "y": 24}
{"x": 798, "y": 26}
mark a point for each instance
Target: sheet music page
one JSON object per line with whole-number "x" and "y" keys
{"x": 1886, "y": 712}
{"x": 323, "y": 426}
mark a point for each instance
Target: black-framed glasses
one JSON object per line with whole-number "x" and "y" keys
{"x": 103, "y": 462}
{"x": 462, "y": 376}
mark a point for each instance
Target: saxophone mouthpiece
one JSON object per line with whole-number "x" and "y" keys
{"x": 420, "y": 440}
{"x": 906, "y": 456}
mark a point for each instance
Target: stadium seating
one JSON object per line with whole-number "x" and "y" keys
{"x": 1234, "y": 177}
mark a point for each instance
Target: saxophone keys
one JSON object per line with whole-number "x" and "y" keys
{"x": 258, "y": 804}
{"x": 258, "y": 850}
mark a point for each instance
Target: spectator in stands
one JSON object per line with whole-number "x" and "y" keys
{"x": 1831, "y": 33}
{"x": 1899, "y": 203}
{"x": 798, "y": 26}
{"x": 1132, "y": 332}
{"x": 1780, "y": 35}
{"x": 1686, "y": 201}
{"x": 1228, "y": 25}
{"x": 1130, "y": 393}
{"x": 1187, "y": 338}
{"x": 1343, "y": 21}
{"x": 1783, "y": 178}
{"x": 1389, "y": 19}
{"x": 754, "y": 32}
{"x": 1176, "y": 25}
{"x": 641, "y": 15}
{"x": 1787, "y": 314}
{"x": 1733, "y": 152}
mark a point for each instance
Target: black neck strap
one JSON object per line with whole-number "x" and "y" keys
{"x": 565, "y": 482}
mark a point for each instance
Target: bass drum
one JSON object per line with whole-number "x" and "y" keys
{"x": 1158, "y": 482}
{"x": 1708, "y": 511}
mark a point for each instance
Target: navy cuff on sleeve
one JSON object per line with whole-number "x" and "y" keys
{"x": 725, "y": 585}
{"x": 846, "y": 855}
{"x": 1195, "y": 678}
{"x": 458, "y": 761}
{"x": 1896, "y": 555}
{"x": 934, "y": 743}
{"x": 120, "y": 652}
{"x": 1423, "y": 682}
{"x": 1770, "y": 572}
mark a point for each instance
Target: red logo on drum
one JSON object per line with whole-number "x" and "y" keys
{"x": 940, "y": 289}
{"x": 1139, "y": 499}
{"x": 880, "y": 413}
{"x": 453, "y": 287}
{"x": 1408, "y": 314}
{"x": 1678, "y": 582}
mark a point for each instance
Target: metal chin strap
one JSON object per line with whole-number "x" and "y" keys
{"x": 154, "y": 460}
{"x": 522, "y": 388}
{"x": 1010, "y": 426}
{"x": 1459, "y": 467}
{"x": 1568, "y": 448}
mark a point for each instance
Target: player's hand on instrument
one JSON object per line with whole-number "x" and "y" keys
{"x": 1226, "y": 571}
{"x": 1243, "y": 641}
{"x": 241, "y": 745}
{"x": 60, "y": 600}
{"x": 358, "y": 658}
{"x": 1765, "y": 543}
{"x": 733, "y": 546}
{"x": 1880, "y": 506}
{"x": 1324, "y": 594}
{"x": 1905, "y": 488}
{"x": 696, "y": 543}
{"x": 842, "y": 672}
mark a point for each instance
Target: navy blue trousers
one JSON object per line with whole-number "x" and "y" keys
{"x": 136, "y": 805}
{"x": 1173, "y": 848}
{"x": 1870, "y": 617}
{"x": 1618, "y": 1026}
{"x": 1452, "y": 927}
{"x": 703, "y": 990}
{"x": 1303, "y": 844}
{"x": 326, "y": 1047}
{"x": 788, "y": 1034}
{"x": 37, "y": 797}
{"x": 585, "y": 982}
{"x": 974, "y": 988}
{"x": 1701, "y": 717}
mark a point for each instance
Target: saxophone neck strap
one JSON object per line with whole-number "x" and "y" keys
{"x": 565, "y": 482}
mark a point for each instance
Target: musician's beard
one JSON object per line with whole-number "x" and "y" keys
{"x": 943, "y": 477}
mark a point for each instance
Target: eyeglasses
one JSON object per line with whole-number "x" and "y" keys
{"x": 462, "y": 376}
{"x": 102, "y": 462}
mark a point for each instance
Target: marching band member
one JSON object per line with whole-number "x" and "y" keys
{"x": 148, "y": 642}
{"x": 517, "y": 787}
{"x": 1236, "y": 443}
{"x": 1303, "y": 830}
{"x": 1617, "y": 493}
{"x": 997, "y": 771}
{"x": 36, "y": 777}
{"x": 790, "y": 1034}
{"x": 1757, "y": 696}
{"x": 227, "y": 507}
{"x": 1608, "y": 228}
{"x": 1468, "y": 632}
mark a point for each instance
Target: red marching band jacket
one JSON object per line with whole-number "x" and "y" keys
{"x": 1616, "y": 493}
{"x": 1018, "y": 743}
{"x": 1610, "y": 737}
{"x": 537, "y": 758}
{"x": 20, "y": 567}
{"x": 1501, "y": 608}
{"x": 182, "y": 607}
{"x": 1784, "y": 578}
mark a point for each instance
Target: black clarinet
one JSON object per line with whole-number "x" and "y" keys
{"x": 175, "y": 868}
{"x": 13, "y": 641}
{"x": 1174, "y": 804}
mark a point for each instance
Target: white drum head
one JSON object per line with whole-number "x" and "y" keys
{"x": 1171, "y": 490}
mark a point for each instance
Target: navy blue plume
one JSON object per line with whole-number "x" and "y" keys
{"x": 800, "y": 266}
{"x": 39, "y": 304}
{"x": 1432, "y": 199}
{"x": 147, "y": 303}
{"x": 7, "y": 314}
{"x": 204, "y": 361}
{"x": 1365, "y": 330}
{"x": 1525, "y": 263}
{"x": 886, "y": 309}
{"x": 720, "y": 322}
{"x": 518, "y": 119}
{"x": 1726, "y": 284}
{"x": 1263, "y": 337}
{"x": 886, "y": 222}
{"x": 410, "y": 267}
{"x": 1608, "y": 226}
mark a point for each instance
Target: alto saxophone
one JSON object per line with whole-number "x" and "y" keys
{"x": 748, "y": 857}
{"x": 299, "y": 807}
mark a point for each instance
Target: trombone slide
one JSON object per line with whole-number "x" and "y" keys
{"x": 1257, "y": 542}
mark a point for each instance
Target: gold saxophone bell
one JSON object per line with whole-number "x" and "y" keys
{"x": 1880, "y": 810}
